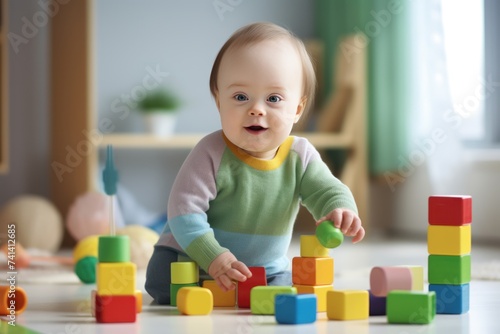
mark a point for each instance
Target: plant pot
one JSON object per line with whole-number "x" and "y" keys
{"x": 160, "y": 123}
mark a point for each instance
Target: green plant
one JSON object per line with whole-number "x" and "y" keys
{"x": 159, "y": 100}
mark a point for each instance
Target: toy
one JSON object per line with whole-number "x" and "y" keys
{"x": 88, "y": 246}
{"x": 114, "y": 248}
{"x": 447, "y": 269}
{"x": 262, "y": 298}
{"x": 116, "y": 278}
{"x": 36, "y": 221}
{"x": 13, "y": 299}
{"x": 377, "y": 304}
{"x": 385, "y": 279}
{"x": 411, "y": 307}
{"x": 93, "y": 297}
{"x": 85, "y": 269}
{"x": 328, "y": 235}
{"x": 451, "y": 299}
{"x": 115, "y": 309}
{"x": 174, "y": 289}
{"x": 184, "y": 272}
{"x": 295, "y": 309}
{"x": 138, "y": 299}
{"x": 23, "y": 258}
{"x": 449, "y": 240}
{"x": 417, "y": 277}
{"x": 450, "y": 210}
{"x": 221, "y": 298}
{"x": 312, "y": 271}
{"x": 258, "y": 279}
{"x": 347, "y": 305}
{"x": 194, "y": 301}
{"x": 449, "y": 246}
{"x": 311, "y": 247}
{"x": 319, "y": 290}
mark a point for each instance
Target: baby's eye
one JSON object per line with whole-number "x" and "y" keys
{"x": 240, "y": 97}
{"x": 274, "y": 98}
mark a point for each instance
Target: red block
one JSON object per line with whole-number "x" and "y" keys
{"x": 116, "y": 308}
{"x": 450, "y": 210}
{"x": 258, "y": 278}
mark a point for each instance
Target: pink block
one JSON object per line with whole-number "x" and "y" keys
{"x": 385, "y": 279}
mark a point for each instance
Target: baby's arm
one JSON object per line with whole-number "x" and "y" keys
{"x": 347, "y": 221}
{"x": 226, "y": 268}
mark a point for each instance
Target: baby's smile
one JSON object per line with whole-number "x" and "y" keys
{"x": 255, "y": 129}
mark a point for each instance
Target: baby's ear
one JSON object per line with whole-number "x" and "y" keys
{"x": 300, "y": 108}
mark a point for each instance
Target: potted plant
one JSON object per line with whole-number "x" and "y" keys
{"x": 159, "y": 108}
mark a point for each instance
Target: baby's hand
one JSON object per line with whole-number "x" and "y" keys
{"x": 348, "y": 222}
{"x": 226, "y": 268}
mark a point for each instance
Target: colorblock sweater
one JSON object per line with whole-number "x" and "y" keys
{"x": 224, "y": 199}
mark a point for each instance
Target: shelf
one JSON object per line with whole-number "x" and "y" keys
{"x": 188, "y": 141}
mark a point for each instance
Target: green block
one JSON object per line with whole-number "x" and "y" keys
{"x": 410, "y": 307}
{"x": 114, "y": 248}
{"x": 262, "y": 298}
{"x": 174, "y": 288}
{"x": 449, "y": 269}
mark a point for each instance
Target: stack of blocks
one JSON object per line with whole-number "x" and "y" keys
{"x": 116, "y": 299}
{"x": 182, "y": 274}
{"x": 313, "y": 271}
{"x": 449, "y": 247}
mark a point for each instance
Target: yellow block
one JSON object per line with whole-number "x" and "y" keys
{"x": 310, "y": 247}
{"x": 116, "y": 278}
{"x": 320, "y": 292}
{"x": 194, "y": 300}
{"x": 221, "y": 298}
{"x": 417, "y": 277}
{"x": 449, "y": 240}
{"x": 312, "y": 271}
{"x": 184, "y": 272}
{"x": 347, "y": 305}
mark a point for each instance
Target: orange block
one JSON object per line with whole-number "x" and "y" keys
{"x": 221, "y": 298}
{"x": 312, "y": 271}
{"x": 319, "y": 290}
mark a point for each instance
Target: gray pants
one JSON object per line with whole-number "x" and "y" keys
{"x": 158, "y": 274}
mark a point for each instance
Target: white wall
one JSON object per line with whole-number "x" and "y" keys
{"x": 181, "y": 38}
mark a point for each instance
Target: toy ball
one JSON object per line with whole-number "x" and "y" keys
{"x": 34, "y": 222}
{"x": 142, "y": 241}
{"x": 86, "y": 247}
{"x": 328, "y": 235}
{"x": 85, "y": 269}
{"x": 88, "y": 215}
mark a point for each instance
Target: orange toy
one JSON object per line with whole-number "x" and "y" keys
{"x": 13, "y": 300}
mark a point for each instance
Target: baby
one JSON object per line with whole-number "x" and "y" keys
{"x": 235, "y": 199}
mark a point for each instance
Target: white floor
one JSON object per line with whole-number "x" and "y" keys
{"x": 63, "y": 307}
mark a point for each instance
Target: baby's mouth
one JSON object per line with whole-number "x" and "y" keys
{"x": 255, "y": 129}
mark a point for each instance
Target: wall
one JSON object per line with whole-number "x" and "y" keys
{"x": 179, "y": 41}
{"x": 29, "y": 105}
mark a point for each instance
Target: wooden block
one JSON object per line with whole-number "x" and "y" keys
{"x": 320, "y": 292}
{"x": 450, "y": 210}
{"x": 221, "y": 298}
{"x": 417, "y": 277}
{"x": 174, "y": 289}
{"x": 310, "y": 247}
{"x": 258, "y": 279}
{"x": 347, "y": 305}
{"x": 195, "y": 301}
{"x": 138, "y": 299}
{"x": 449, "y": 269}
{"x": 262, "y": 298}
{"x": 411, "y": 307}
{"x": 295, "y": 309}
{"x": 115, "y": 309}
{"x": 114, "y": 248}
{"x": 451, "y": 299}
{"x": 377, "y": 304}
{"x": 116, "y": 278}
{"x": 184, "y": 272}
{"x": 385, "y": 279}
{"x": 449, "y": 240}
{"x": 312, "y": 271}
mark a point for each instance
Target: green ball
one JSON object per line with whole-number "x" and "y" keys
{"x": 85, "y": 269}
{"x": 328, "y": 235}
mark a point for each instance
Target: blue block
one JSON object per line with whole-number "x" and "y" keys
{"x": 377, "y": 304}
{"x": 451, "y": 299}
{"x": 295, "y": 309}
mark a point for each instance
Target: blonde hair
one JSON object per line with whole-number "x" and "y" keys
{"x": 258, "y": 32}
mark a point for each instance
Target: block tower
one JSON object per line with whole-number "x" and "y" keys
{"x": 116, "y": 299}
{"x": 182, "y": 274}
{"x": 313, "y": 271}
{"x": 449, "y": 247}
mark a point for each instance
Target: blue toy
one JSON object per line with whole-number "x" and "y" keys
{"x": 295, "y": 309}
{"x": 451, "y": 299}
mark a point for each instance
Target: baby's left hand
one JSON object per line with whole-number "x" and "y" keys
{"x": 347, "y": 221}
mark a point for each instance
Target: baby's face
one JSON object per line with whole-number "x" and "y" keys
{"x": 260, "y": 95}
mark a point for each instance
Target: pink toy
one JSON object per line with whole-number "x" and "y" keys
{"x": 385, "y": 279}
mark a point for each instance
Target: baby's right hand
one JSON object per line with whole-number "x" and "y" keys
{"x": 226, "y": 268}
